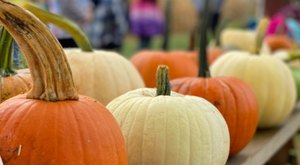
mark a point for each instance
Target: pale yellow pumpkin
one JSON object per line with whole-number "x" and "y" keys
{"x": 171, "y": 130}
{"x": 103, "y": 75}
{"x": 270, "y": 79}
{"x": 240, "y": 39}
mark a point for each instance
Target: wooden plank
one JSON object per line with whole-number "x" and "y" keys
{"x": 267, "y": 142}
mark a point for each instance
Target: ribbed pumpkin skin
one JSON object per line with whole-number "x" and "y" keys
{"x": 75, "y": 132}
{"x": 102, "y": 75}
{"x": 180, "y": 63}
{"x": 171, "y": 130}
{"x": 233, "y": 98}
{"x": 270, "y": 79}
{"x": 14, "y": 85}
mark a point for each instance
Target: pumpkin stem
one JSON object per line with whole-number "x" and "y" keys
{"x": 260, "y": 34}
{"x": 293, "y": 55}
{"x": 162, "y": 81}
{"x": 51, "y": 73}
{"x": 166, "y": 35}
{"x": 5, "y": 53}
{"x": 221, "y": 26}
{"x": 64, "y": 23}
{"x": 204, "y": 23}
{"x": 192, "y": 39}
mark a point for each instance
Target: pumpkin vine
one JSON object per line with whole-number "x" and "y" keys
{"x": 64, "y": 23}
{"x": 6, "y": 42}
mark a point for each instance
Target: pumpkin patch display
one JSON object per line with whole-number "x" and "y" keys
{"x": 166, "y": 128}
{"x": 232, "y": 97}
{"x": 52, "y": 124}
{"x": 103, "y": 75}
{"x": 12, "y": 82}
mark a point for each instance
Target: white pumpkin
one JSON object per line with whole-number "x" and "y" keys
{"x": 103, "y": 75}
{"x": 170, "y": 130}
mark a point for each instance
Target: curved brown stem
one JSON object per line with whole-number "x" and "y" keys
{"x": 51, "y": 74}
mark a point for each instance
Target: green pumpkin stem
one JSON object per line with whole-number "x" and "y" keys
{"x": 166, "y": 34}
{"x": 163, "y": 86}
{"x": 50, "y": 71}
{"x": 293, "y": 55}
{"x": 6, "y": 43}
{"x": 65, "y": 24}
{"x": 260, "y": 34}
{"x": 204, "y": 23}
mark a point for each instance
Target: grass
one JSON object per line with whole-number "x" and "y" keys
{"x": 177, "y": 42}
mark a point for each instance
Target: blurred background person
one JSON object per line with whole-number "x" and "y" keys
{"x": 109, "y": 25}
{"x": 79, "y": 11}
{"x": 146, "y": 20}
{"x": 215, "y": 10}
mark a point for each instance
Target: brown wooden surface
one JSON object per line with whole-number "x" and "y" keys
{"x": 267, "y": 142}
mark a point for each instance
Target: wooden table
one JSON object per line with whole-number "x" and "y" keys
{"x": 268, "y": 142}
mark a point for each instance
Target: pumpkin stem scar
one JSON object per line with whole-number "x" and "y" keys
{"x": 163, "y": 86}
{"x": 50, "y": 71}
{"x": 64, "y": 23}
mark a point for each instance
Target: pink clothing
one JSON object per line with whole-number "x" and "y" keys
{"x": 277, "y": 25}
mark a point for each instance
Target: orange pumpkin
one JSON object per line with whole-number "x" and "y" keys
{"x": 52, "y": 124}
{"x": 179, "y": 63}
{"x": 279, "y": 41}
{"x": 233, "y": 98}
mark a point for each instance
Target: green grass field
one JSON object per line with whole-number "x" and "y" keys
{"x": 177, "y": 42}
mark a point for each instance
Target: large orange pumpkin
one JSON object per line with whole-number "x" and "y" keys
{"x": 52, "y": 124}
{"x": 233, "y": 98}
{"x": 11, "y": 83}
